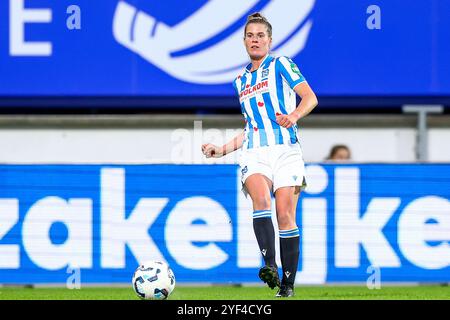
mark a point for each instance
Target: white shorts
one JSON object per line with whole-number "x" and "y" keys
{"x": 283, "y": 164}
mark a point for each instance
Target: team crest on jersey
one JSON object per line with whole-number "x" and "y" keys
{"x": 265, "y": 73}
{"x": 244, "y": 170}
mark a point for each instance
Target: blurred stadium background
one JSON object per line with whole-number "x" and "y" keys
{"x": 104, "y": 106}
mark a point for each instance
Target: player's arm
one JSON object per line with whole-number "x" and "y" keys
{"x": 292, "y": 75}
{"x": 307, "y": 103}
{"x": 211, "y": 150}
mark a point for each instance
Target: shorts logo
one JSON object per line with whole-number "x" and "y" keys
{"x": 188, "y": 51}
{"x": 295, "y": 177}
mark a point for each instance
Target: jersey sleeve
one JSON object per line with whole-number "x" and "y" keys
{"x": 290, "y": 71}
{"x": 237, "y": 93}
{"x": 235, "y": 87}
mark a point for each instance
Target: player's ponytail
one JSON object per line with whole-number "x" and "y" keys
{"x": 258, "y": 18}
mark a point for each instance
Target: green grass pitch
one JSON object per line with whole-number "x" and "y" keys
{"x": 234, "y": 293}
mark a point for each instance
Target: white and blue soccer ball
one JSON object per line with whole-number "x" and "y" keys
{"x": 153, "y": 280}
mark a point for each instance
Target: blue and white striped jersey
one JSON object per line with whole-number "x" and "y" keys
{"x": 264, "y": 94}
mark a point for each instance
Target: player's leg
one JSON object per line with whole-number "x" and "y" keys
{"x": 288, "y": 180}
{"x": 286, "y": 206}
{"x": 259, "y": 188}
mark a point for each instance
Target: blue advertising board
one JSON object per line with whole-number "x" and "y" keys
{"x": 174, "y": 48}
{"x": 104, "y": 219}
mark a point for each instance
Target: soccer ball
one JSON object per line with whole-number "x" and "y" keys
{"x": 153, "y": 280}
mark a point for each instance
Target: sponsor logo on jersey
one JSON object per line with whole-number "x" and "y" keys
{"x": 258, "y": 88}
{"x": 295, "y": 69}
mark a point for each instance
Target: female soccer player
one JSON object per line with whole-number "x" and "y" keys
{"x": 271, "y": 158}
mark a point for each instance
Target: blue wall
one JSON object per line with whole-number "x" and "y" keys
{"x": 408, "y": 56}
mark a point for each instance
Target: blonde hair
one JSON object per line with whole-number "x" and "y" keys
{"x": 258, "y": 18}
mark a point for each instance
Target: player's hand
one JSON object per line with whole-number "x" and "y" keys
{"x": 211, "y": 150}
{"x": 287, "y": 120}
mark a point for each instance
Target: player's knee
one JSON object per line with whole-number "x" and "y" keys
{"x": 286, "y": 219}
{"x": 261, "y": 202}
